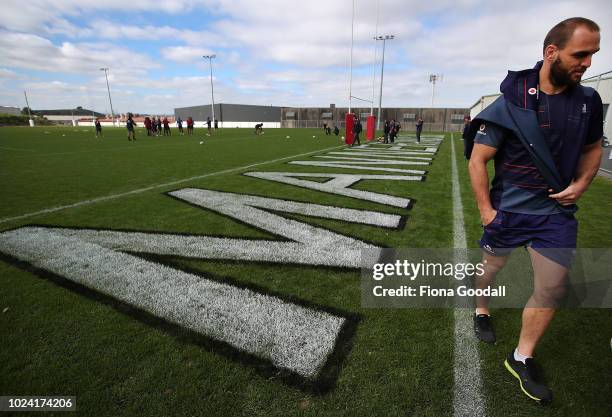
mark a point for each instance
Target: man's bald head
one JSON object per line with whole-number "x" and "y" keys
{"x": 561, "y": 33}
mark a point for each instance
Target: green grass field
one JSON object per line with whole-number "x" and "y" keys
{"x": 62, "y": 340}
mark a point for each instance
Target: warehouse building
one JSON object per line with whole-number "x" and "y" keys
{"x": 13, "y": 111}
{"x": 232, "y": 115}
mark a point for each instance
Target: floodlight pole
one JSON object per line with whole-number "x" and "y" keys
{"x": 212, "y": 91}
{"x": 29, "y": 112}
{"x": 433, "y": 78}
{"x": 109, "y": 95}
{"x": 382, "y": 71}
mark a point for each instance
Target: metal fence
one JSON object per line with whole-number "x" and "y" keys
{"x": 406, "y": 126}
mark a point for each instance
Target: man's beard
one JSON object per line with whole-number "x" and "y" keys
{"x": 561, "y": 77}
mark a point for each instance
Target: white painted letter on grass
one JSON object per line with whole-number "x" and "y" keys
{"x": 340, "y": 183}
{"x": 288, "y": 335}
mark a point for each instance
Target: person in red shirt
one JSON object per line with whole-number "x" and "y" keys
{"x": 189, "y": 126}
{"x": 166, "y": 127}
{"x": 147, "y": 123}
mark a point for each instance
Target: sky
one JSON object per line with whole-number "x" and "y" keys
{"x": 270, "y": 52}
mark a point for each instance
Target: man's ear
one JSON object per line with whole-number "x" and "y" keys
{"x": 551, "y": 53}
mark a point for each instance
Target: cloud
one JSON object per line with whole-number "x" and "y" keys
{"x": 276, "y": 52}
{"x": 34, "y": 52}
{"x": 10, "y": 75}
{"x": 38, "y": 16}
{"x": 184, "y": 53}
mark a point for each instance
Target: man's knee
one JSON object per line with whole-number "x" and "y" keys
{"x": 494, "y": 264}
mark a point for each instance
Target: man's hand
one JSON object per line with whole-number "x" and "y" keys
{"x": 487, "y": 216}
{"x": 570, "y": 195}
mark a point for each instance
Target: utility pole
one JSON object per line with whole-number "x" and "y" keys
{"x": 382, "y": 71}
{"x": 212, "y": 91}
{"x": 109, "y": 94}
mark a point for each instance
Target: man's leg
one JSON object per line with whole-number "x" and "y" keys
{"x": 550, "y": 280}
{"x": 482, "y": 318}
{"x": 549, "y": 288}
{"x": 492, "y": 265}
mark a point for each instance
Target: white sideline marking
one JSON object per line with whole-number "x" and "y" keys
{"x": 371, "y": 161}
{"x": 407, "y": 148}
{"x": 468, "y": 400}
{"x": 348, "y": 165}
{"x": 339, "y": 184}
{"x": 290, "y": 336}
{"x": 156, "y": 186}
{"x": 382, "y": 155}
{"x": 390, "y": 151}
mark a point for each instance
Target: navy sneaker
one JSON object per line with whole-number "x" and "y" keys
{"x": 483, "y": 328}
{"x": 527, "y": 374}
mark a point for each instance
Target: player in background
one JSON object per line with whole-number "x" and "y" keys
{"x": 166, "y": 127}
{"x": 147, "y": 123}
{"x": 398, "y": 126}
{"x": 208, "y": 123}
{"x": 190, "y": 125}
{"x": 386, "y": 131}
{"x": 356, "y": 131}
{"x": 153, "y": 126}
{"x": 466, "y": 126}
{"x": 216, "y": 125}
{"x": 159, "y": 126}
{"x": 98, "y": 128}
{"x": 179, "y": 123}
{"x": 419, "y": 129}
{"x": 130, "y": 124}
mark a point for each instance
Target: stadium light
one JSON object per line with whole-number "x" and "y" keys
{"x": 433, "y": 78}
{"x": 212, "y": 90}
{"x": 383, "y": 38}
{"x": 109, "y": 95}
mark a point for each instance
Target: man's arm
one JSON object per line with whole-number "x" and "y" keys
{"x": 481, "y": 154}
{"x": 585, "y": 172}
